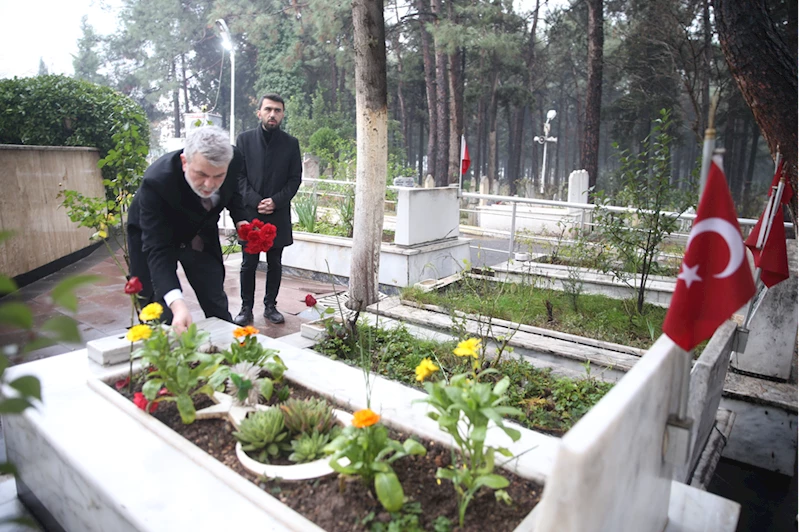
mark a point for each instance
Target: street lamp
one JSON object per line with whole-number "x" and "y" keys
{"x": 551, "y": 114}
{"x": 227, "y": 43}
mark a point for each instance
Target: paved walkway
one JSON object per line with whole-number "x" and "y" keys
{"x": 104, "y": 309}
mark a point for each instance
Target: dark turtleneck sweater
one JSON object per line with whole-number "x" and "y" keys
{"x": 267, "y": 134}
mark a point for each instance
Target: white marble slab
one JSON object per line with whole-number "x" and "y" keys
{"x": 707, "y": 384}
{"x": 426, "y": 215}
{"x": 610, "y": 465}
{"x": 772, "y": 331}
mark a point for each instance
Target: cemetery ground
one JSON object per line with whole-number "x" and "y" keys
{"x": 768, "y": 500}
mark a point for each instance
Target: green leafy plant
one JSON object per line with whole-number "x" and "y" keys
{"x": 244, "y": 383}
{"x": 645, "y": 183}
{"x": 263, "y": 432}
{"x": 179, "y": 367}
{"x": 305, "y": 416}
{"x": 247, "y": 348}
{"x": 305, "y": 206}
{"x": 346, "y": 210}
{"x": 308, "y": 447}
{"x": 371, "y": 452}
{"x": 463, "y": 409}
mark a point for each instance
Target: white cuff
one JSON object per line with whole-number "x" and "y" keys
{"x": 172, "y": 296}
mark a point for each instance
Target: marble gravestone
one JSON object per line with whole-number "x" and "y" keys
{"x": 704, "y": 396}
{"x": 611, "y": 472}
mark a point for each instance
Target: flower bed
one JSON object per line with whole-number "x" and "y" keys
{"x": 336, "y": 504}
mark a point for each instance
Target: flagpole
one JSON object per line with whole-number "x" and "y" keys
{"x": 707, "y": 156}
{"x": 774, "y": 203}
{"x": 710, "y": 144}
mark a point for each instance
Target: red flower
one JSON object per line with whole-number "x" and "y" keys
{"x": 121, "y": 383}
{"x": 133, "y": 286}
{"x": 163, "y": 391}
{"x": 310, "y": 301}
{"x": 258, "y": 236}
{"x": 141, "y": 401}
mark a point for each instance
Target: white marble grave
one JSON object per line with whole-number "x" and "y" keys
{"x": 772, "y": 331}
{"x": 426, "y": 215}
{"x": 707, "y": 384}
{"x": 611, "y": 472}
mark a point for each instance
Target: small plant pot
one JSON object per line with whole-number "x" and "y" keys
{"x": 317, "y": 330}
{"x": 521, "y": 257}
{"x": 308, "y": 470}
{"x": 427, "y": 285}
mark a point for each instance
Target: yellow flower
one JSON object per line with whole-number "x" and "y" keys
{"x": 139, "y": 332}
{"x": 468, "y": 348}
{"x": 151, "y": 312}
{"x": 364, "y": 418}
{"x": 240, "y": 332}
{"x": 102, "y": 234}
{"x": 425, "y": 369}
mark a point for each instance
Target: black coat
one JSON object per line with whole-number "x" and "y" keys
{"x": 271, "y": 170}
{"x": 166, "y": 214}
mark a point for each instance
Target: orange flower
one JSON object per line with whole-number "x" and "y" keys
{"x": 249, "y": 330}
{"x": 364, "y": 418}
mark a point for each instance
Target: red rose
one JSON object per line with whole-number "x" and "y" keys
{"x": 310, "y": 301}
{"x": 258, "y": 236}
{"x": 141, "y": 401}
{"x": 133, "y": 286}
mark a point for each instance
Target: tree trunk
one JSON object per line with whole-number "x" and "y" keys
{"x": 455, "y": 114}
{"x": 589, "y": 158}
{"x": 765, "y": 73}
{"x": 492, "y": 129}
{"x": 442, "y": 107}
{"x": 403, "y": 114}
{"x": 184, "y": 83}
{"x": 430, "y": 86}
{"x": 750, "y": 167}
{"x": 175, "y": 99}
{"x": 371, "y": 100}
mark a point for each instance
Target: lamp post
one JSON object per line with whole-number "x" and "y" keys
{"x": 551, "y": 114}
{"x": 227, "y": 43}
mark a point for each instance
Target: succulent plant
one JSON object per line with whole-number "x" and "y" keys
{"x": 263, "y": 431}
{"x": 308, "y": 447}
{"x": 244, "y": 384}
{"x": 305, "y": 416}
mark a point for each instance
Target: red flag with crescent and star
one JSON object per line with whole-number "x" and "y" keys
{"x": 715, "y": 279}
{"x": 772, "y": 258}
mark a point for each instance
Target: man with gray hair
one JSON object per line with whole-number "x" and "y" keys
{"x": 173, "y": 218}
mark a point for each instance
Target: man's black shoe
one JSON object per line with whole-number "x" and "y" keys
{"x": 271, "y": 314}
{"x": 244, "y": 318}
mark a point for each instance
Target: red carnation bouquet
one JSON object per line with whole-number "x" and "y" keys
{"x": 258, "y": 236}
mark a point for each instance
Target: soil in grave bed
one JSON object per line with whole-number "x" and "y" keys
{"x": 339, "y": 505}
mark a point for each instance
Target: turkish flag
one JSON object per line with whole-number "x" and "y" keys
{"x": 772, "y": 259}
{"x": 715, "y": 279}
{"x": 465, "y": 160}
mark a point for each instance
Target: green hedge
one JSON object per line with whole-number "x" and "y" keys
{"x": 61, "y": 111}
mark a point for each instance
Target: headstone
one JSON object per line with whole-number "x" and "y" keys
{"x": 404, "y": 182}
{"x": 610, "y": 472}
{"x": 504, "y": 188}
{"x": 704, "y": 395}
{"x": 484, "y": 189}
{"x": 426, "y": 215}
{"x": 772, "y": 331}
{"x": 310, "y": 166}
{"x": 429, "y": 181}
{"x": 578, "y": 187}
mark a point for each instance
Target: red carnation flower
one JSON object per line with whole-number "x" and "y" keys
{"x": 133, "y": 286}
{"x": 310, "y": 300}
{"x": 141, "y": 401}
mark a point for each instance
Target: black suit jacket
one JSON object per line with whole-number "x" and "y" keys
{"x": 166, "y": 214}
{"x": 271, "y": 170}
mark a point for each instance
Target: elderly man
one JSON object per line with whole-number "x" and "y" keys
{"x": 173, "y": 218}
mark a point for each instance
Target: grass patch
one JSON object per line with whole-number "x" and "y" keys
{"x": 599, "y": 317}
{"x": 550, "y": 404}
